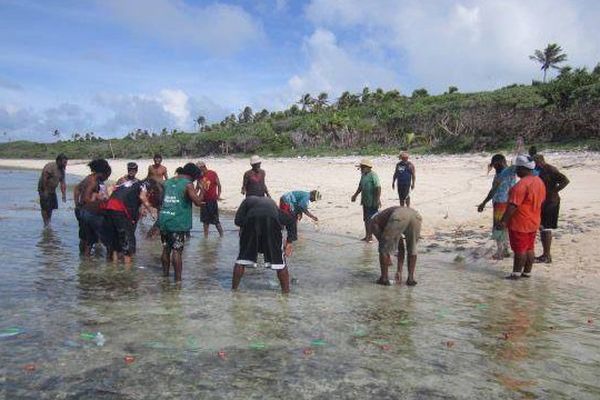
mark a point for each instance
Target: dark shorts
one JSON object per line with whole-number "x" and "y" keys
{"x": 121, "y": 232}
{"x": 173, "y": 240}
{"x": 93, "y": 227}
{"x": 48, "y": 201}
{"x": 261, "y": 235}
{"x": 368, "y": 212}
{"x": 550, "y": 213}
{"x": 404, "y": 192}
{"x": 209, "y": 212}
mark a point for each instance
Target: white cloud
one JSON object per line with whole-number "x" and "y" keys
{"x": 176, "y": 103}
{"x": 475, "y": 44}
{"x": 334, "y": 69}
{"x": 219, "y": 28}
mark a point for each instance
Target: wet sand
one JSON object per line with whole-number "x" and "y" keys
{"x": 447, "y": 192}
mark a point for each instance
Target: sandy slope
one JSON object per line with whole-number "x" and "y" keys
{"x": 448, "y": 190}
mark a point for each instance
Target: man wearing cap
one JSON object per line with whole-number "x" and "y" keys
{"x": 132, "y": 170}
{"x": 554, "y": 181}
{"x": 253, "y": 183}
{"x": 523, "y": 216}
{"x": 388, "y": 226}
{"x": 210, "y": 186}
{"x": 52, "y": 175}
{"x": 405, "y": 176}
{"x": 175, "y": 216}
{"x": 295, "y": 203}
{"x": 369, "y": 189}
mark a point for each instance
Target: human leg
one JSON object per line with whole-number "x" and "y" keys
{"x": 284, "y": 280}
{"x": 238, "y": 272}
{"x": 177, "y": 263}
{"x": 546, "y": 257}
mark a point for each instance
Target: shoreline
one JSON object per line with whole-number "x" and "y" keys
{"x": 448, "y": 189}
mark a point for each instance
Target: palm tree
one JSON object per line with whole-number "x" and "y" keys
{"x": 549, "y": 57}
{"x": 306, "y": 102}
{"x": 321, "y": 101}
{"x": 246, "y": 115}
{"x": 365, "y": 95}
{"x": 200, "y": 121}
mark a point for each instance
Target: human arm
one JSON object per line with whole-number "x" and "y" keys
{"x": 358, "y": 190}
{"x": 244, "y": 183}
{"x": 63, "y": 190}
{"x": 196, "y": 198}
{"x": 508, "y": 214}
{"x": 378, "y": 196}
{"x": 265, "y": 183}
{"x": 311, "y": 215}
{"x": 561, "y": 181}
{"x": 165, "y": 174}
{"x": 218, "y": 188}
{"x": 395, "y": 177}
{"x": 76, "y": 194}
{"x": 240, "y": 214}
{"x": 414, "y": 175}
{"x": 489, "y": 196}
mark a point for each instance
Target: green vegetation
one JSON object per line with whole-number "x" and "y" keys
{"x": 564, "y": 111}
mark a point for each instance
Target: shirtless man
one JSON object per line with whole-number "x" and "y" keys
{"x": 253, "y": 183}
{"x": 88, "y": 198}
{"x": 53, "y": 174}
{"x": 157, "y": 171}
{"x": 132, "y": 170}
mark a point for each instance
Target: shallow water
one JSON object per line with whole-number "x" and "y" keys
{"x": 461, "y": 333}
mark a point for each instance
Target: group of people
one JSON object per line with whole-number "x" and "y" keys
{"x": 109, "y": 215}
{"x": 521, "y": 209}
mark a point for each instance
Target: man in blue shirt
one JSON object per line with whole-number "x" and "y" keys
{"x": 405, "y": 176}
{"x": 295, "y": 203}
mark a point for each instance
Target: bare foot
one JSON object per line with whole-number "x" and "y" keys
{"x": 512, "y": 277}
{"x": 363, "y": 239}
{"x": 384, "y": 282}
{"x": 543, "y": 259}
{"x": 411, "y": 282}
{"x": 497, "y": 257}
{"x": 398, "y": 278}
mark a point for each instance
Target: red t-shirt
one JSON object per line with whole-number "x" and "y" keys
{"x": 528, "y": 195}
{"x": 209, "y": 185}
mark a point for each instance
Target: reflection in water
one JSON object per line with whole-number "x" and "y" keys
{"x": 337, "y": 335}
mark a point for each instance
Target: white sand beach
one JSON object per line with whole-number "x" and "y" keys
{"x": 448, "y": 189}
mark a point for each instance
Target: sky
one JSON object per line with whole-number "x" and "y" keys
{"x": 112, "y": 66}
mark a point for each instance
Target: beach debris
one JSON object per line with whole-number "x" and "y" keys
{"x": 308, "y": 351}
{"x": 404, "y": 321}
{"x": 590, "y": 321}
{"x": 318, "y": 342}
{"x": 222, "y": 355}
{"x": 506, "y": 335}
{"x": 97, "y": 338}
{"x": 129, "y": 359}
{"x": 359, "y": 333}
{"x": 449, "y": 343}
{"x": 10, "y": 332}
{"x": 258, "y": 345}
{"x": 385, "y": 347}
{"x": 30, "y": 367}
{"x": 481, "y": 306}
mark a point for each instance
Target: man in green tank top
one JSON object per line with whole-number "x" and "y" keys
{"x": 175, "y": 217}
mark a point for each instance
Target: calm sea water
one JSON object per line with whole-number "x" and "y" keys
{"x": 462, "y": 333}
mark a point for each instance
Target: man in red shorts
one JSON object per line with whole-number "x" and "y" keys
{"x": 210, "y": 186}
{"x": 523, "y": 216}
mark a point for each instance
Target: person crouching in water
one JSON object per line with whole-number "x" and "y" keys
{"x": 504, "y": 179}
{"x": 122, "y": 214}
{"x": 175, "y": 216}
{"x": 260, "y": 223}
{"x": 296, "y": 203}
{"x": 388, "y": 226}
{"x": 89, "y": 196}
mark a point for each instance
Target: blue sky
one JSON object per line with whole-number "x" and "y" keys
{"x": 111, "y": 66}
